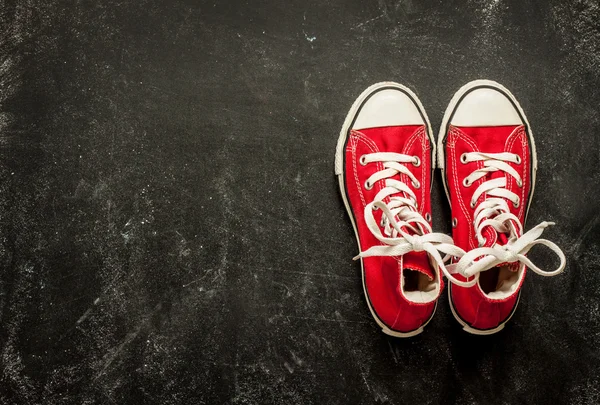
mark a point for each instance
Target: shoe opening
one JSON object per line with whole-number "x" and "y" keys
{"x": 499, "y": 282}
{"x": 418, "y": 287}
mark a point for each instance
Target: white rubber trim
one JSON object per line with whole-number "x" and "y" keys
{"x": 339, "y": 162}
{"x": 388, "y": 108}
{"x": 470, "y": 329}
{"x": 442, "y": 159}
{"x": 485, "y": 107}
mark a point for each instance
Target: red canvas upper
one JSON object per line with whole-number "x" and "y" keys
{"x": 383, "y": 273}
{"x": 471, "y": 304}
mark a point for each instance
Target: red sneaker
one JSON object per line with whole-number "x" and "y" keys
{"x": 384, "y": 165}
{"x": 488, "y": 161}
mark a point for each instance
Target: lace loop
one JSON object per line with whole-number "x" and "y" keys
{"x": 494, "y": 212}
{"x": 512, "y": 252}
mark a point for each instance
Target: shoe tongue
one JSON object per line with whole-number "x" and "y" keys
{"x": 418, "y": 261}
{"x": 502, "y": 239}
{"x": 493, "y": 237}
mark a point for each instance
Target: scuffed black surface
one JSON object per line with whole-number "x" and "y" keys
{"x": 170, "y": 226}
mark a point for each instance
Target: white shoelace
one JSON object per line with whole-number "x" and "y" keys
{"x": 495, "y": 212}
{"x": 404, "y": 229}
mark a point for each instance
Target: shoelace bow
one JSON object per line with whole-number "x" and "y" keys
{"x": 402, "y": 228}
{"x": 495, "y": 212}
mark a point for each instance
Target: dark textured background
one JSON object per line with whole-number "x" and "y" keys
{"x": 170, "y": 225}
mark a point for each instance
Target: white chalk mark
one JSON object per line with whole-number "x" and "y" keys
{"x": 584, "y": 233}
{"x": 84, "y": 316}
{"x": 198, "y": 279}
{"x": 367, "y": 22}
{"x": 309, "y": 39}
{"x": 288, "y": 367}
{"x": 115, "y": 352}
{"x": 88, "y": 311}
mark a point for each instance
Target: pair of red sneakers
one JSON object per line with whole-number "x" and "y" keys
{"x": 384, "y": 161}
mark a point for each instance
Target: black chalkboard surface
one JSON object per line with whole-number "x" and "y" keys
{"x": 170, "y": 224}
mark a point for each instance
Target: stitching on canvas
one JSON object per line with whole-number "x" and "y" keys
{"x": 519, "y": 134}
{"x": 353, "y": 143}
{"x": 373, "y": 148}
{"x": 424, "y": 152}
{"x": 455, "y": 178}
{"x": 409, "y": 144}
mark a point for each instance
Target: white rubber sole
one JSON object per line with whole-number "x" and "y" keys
{"x": 474, "y": 331}
{"x": 339, "y": 171}
{"x": 441, "y": 159}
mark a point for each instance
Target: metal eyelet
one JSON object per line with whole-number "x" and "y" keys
{"x": 454, "y": 222}
{"x": 520, "y": 183}
{"x": 362, "y": 160}
{"x": 516, "y": 204}
{"x": 417, "y": 184}
{"x": 427, "y": 217}
{"x": 368, "y": 185}
{"x": 518, "y": 159}
{"x": 463, "y": 158}
{"x": 466, "y": 182}
{"x": 417, "y": 161}
{"x": 473, "y": 203}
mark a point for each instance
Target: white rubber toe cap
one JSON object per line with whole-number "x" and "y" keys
{"x": 386, "y": 108}
{"x": 485, "y": 107}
